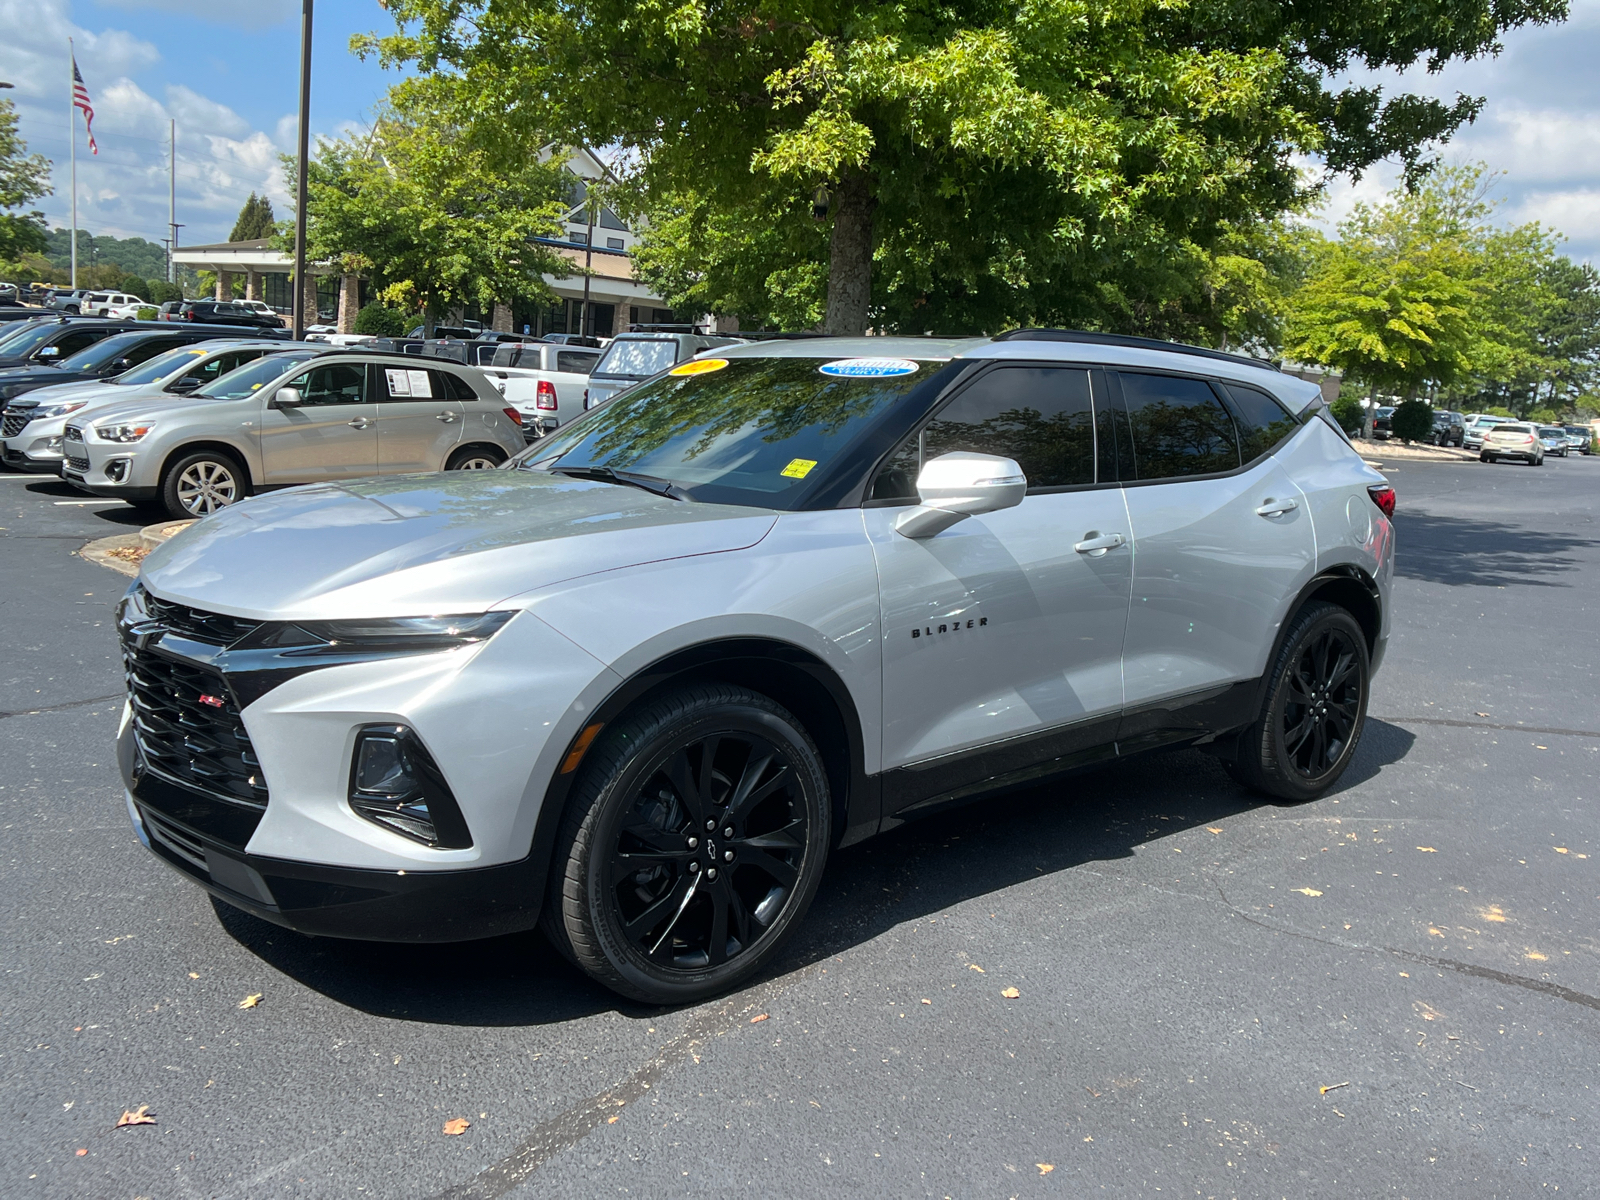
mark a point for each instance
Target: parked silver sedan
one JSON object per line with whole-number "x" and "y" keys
{"x": 297, "y": 417}
{"x": 1513, "y": 440}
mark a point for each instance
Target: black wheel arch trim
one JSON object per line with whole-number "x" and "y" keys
{"x": 1346, "y": 585}
{"x": 177, "y": 454}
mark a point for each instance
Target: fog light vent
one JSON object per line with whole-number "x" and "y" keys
{"x": 394, "y": 782}
{"x": 117, "y": 470}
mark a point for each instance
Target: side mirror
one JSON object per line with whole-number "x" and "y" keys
{"x": 118, "y": 365}
{"x": 287, "y": 397}
{"x": 50, "y": 352}
{"x": 955, "y": 486}
{"x": 184, "y": 383}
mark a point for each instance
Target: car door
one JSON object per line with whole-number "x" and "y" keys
{"x": 419, "y": 418}
{"x": 1004, "y": 633}
{"x": 331, "y": 434}
{"x": 1219, "y": 549}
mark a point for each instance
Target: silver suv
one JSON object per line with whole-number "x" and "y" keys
{"x": 303, "y": 416}
{"x": 632, "y": 357}
{"x": 635, "y": 687}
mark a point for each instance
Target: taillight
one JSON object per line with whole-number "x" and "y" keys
{"x": 1383, "y": 496}
{"x": 189, "y": 316}
{"x": 513, "y": 414}
{"x": 546, "y": 395}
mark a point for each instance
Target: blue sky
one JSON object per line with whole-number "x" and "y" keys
{"x": 228, "y": 71}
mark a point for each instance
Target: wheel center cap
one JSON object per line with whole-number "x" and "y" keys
{"x": 711, "y": 850}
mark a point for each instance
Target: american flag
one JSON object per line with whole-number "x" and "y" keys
{"x": 80, "y": 99}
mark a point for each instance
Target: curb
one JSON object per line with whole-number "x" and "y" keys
{"x": 117, "y": 552}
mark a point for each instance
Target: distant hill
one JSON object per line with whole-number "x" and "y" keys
{"x": 147, "y": 260}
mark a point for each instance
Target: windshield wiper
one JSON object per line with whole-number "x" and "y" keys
{"x": 649, "y": 483}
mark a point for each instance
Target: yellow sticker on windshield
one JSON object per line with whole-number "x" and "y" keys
{"x": 798, "y": 468}
{"x": 699, "y": 366}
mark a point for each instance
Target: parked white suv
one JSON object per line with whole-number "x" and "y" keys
{"x": 636, "y": 686}
{"x": 545, "y": 382}
{"x": 100, "y": 304}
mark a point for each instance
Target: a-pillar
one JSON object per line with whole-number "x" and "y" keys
{"x": 252, "y": 285}
{"x": 349, "y": 302}
{"x": 501, "y": 322}
{"x": 224, "y": 285}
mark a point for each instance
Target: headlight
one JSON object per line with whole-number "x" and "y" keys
{"x": 123, "y": 433}
{"x": 58, "y": 410}
{"x": 391, "y": 634}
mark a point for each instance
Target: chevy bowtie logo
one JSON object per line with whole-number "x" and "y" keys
{"x": 950, "y": 627}
{"x": 213, "y": 701}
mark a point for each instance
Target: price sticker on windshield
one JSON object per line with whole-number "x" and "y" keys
{"x": 798, "y": 468}
{"x": 868, "y": 368}
{"x": 699, "y": 366}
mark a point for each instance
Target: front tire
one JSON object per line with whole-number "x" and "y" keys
{"x": 474, "y": 458}
{"x": 201, "y": 483}
{"x": 691, "y": 847}
{"x": 1314, "y": 711}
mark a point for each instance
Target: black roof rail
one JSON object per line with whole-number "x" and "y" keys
{"x": 1135, "y": 343}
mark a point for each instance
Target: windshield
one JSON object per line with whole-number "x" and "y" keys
{"x": 92, "y": 358}
{"x": 1386, "y": 410}
{"x": 236, "y": 385}
{"x": 160, "y": 366}
{"x": 638, "y": 357}
{"x": 29, "y": 338}
{"x": 1546, "y": 432}
{"x": 1577, "y": 431}
{"x": 734, "y": 431}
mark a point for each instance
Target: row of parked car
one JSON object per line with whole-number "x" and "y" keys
{"x": 191, "y": 418}
{"x": 1468, "y": 430}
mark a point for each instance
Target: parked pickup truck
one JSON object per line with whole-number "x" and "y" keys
{"x": 544, "y": 382}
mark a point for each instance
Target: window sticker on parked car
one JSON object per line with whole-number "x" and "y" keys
{"x": 798, "y": 468}
{"x": 420, "y": 383}
{"x": 699, "y": 366}
{"x": 399, "y": 385}
{"x": 868, "y": 368}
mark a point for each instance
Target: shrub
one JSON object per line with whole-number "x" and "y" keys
{"x": 1347, "y": 411}
{"x": 379, "y": 320}
{"x": 135, "y": 287}
{"x": 1412, "y": 421}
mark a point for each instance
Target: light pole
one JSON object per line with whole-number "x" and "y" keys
{"x": 299, "y": 308}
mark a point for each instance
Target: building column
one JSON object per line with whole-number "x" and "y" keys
{"x": 252, "y": 285}
{"x": 502, "y": 320}
{"x": 349, "y": 302}
{"x": 224, "y": 285}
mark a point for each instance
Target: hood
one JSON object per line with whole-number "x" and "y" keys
{"x": 142, "y": 403}
{"x": 418, "y": 545}
{"x": 81, "y": 389}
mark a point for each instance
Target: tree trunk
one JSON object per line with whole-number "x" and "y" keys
{"x": 850, "y": 256}
{"x": 1368, "y": 413}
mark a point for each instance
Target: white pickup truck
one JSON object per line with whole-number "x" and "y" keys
{"x": 542, "y": 381}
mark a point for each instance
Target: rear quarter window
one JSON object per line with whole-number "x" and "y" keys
{"x": 1263, "y": 422}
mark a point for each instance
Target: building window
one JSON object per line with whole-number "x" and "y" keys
{"x": 578, "y": 236}
{"x": 275, "y": 290}
{"x": 613, "y": 243}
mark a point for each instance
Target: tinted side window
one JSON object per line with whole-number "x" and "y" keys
{"x": 148, "y": 351}
{"x": 572, "y": 361}
{"x": 452, "y": 385}
{"x": 1179, "y": 427}
{"x": 344, "y": 383}
{"x": 1039, "y": 416}
{"x": 77, "y": 340}
{"x": 1262, "y": 421}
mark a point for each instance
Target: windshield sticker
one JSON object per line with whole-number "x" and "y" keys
{"x": 798, "y": 468}
{"x": 868, "y": 368}
{"x": 699, "y": 366}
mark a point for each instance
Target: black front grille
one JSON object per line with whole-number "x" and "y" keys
{"x": 187, "y": 723}
{"x": 76, "y": 461}
{"x": 14, "y": 423}
{"x": 219, "y": 629}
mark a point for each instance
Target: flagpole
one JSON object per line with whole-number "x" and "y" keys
{"x": 72, "y": 140}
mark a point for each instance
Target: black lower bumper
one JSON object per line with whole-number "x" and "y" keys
{"x": 200, "y": 837}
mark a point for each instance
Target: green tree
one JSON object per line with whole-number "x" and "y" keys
{"x": 965, "y": 165}
{"x": 380, "y": 320}
{"x": 255, "y": 220}
{"x": 418, "y": 205}
{"x": 24, "y": 178}
{"x": 1412, "y": 421}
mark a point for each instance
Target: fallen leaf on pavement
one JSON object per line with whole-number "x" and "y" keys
{"x": 976, "y": 967}
{"x": 1480, "y": 714}
{"x": 927, "y": 1001}
{"x": 140, "y": 1116}
{"x": 82, "y": 1152}
{"x": 194, "y": 974}
{"x": 250, "y": 1001}
{"x": 456, "y": 1125}
{"x": 1045, "y": 1168}
{"x": 1010, "y": 993}
{"x": 1493, "y": 913}
{"x": 1560, "y": 849}
{"x": 1334, "y": 1087}
{"x": 1213, "y": 829}
{"x": 758, "y": 1017}
{"x": 1307, "y": 891}
{"x": 609, "y": 1121}
{"x": 1427, "y": 849}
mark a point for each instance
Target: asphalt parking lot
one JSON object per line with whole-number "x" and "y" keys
{"x": 1394, "y": 990}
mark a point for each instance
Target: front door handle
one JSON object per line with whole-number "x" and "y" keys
{"x": 1096, "y": 544}
{"x": 359, "y": 423}
{"x": 1276, "y": 508}
{"x": 444, "y": 416}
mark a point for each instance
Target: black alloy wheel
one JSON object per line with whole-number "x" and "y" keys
{"x": 692, "y": 845}
{"x": 1314, "y": 711}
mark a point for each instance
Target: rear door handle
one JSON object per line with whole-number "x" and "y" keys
{"x": 359, "y": 423}
{"x": 444, "y": 416}
{"x": 1097, "y": 544}
{"x": 1276, "y": 508}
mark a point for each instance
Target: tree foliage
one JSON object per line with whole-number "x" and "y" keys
{"x": 1412, "y": 421}
{"x": 380, "y": 320}
{"x": 419, "y": 205}
{"x": 972, "y": 165}
{"x": 255, "y": 220}
{"x": 24, "y": 178}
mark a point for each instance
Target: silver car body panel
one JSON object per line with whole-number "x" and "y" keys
{"x": 995, "y": 630}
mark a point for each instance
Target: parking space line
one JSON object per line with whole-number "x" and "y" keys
{"x": 76, "y": 503}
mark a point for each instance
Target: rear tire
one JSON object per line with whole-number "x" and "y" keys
{"x": 201, "y": 483}
{"x": 646, "y": 896}
{"x": 1314, "y": 711}
{"x": 474, "y": 458}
